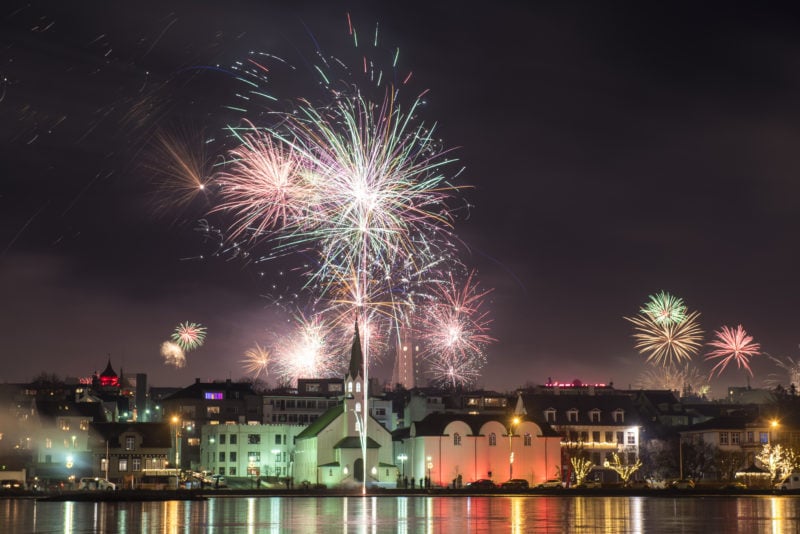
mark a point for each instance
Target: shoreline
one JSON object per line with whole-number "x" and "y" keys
{"x": 204, "y": 494}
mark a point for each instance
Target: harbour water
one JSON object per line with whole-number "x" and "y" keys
{"x": 410, "y": 514}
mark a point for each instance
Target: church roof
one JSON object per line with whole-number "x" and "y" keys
{"x": 321, "y": 422}
{"x": 354, "y": 442}
{"x": 356, "y": 356}
{"x": 109, "y": 370}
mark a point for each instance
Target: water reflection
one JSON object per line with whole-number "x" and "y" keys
{"x": 424, "y": 515}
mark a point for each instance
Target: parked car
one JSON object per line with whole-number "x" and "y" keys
{"x": 96, "y": 483}
{"x": 552, "y": 483}
{"x": 481, "y": 483}
{"x": 11, "y": 484}
{"x": 683, "y": 483}
{"x": 588, "y": 484}
{"x": 515, "y": 484}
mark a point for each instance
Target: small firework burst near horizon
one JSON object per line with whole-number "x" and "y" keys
{"x": 732, "y": 345}
{"x": 189, "y": 336}
{"x": 173, "y": 354}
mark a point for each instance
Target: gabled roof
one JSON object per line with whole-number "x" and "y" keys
{"x": 354, "y": 442}
{"x": 607, "y": 404}
{"x": 725, "y": 422}
{"x": 154, "y": 435}
{"x": 322, "y": 421}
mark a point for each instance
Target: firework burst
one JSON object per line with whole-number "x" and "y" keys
{"x": 680, "y": 379}
{"x": 173, "y": 354}
{"x": 664, "y": 308}
{"x": 189, "y": 336}
{"x": 306, "y": 353}
{"x": 456, "y": 370}
{"x": 732, "y": 345}
{"x": 667, "y": 343}
{"x": 256, "y": 361}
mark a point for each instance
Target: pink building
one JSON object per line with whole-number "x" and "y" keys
{"x": 446, "y": 446}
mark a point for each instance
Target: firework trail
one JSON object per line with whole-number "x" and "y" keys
{"x": 732, "y": 345}
{"x": 189, "y": 336}
{"x": 667, "y": 343}
{"x": 456, "y": 370}
{"x": 173, "y": 354}
{"x": 664, "y": 308}
{"x": 256, "y": 361}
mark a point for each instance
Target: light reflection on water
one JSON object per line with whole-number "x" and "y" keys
{"x": 404, "y": 515}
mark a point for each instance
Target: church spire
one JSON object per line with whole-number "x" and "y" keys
{"x": 356, "y": 356}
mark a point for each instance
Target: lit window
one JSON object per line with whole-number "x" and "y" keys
{"x": 492, "y": 439}
{"x": 457, "y": 439}
{"x": 358, "y": 407}
{"x": 122, "y": 465}
{"x": 129, "y": 443}
{"x": 358, "y": 387}
{"x": 136, "y": 464}
{"x": 631, "y": 438}
{"x": 723, "y": 438}
{"x": 48, "y": 443}
{"x": 254, "y": 457}
{"x": 763, "y": 437}
{"x": 349, "y": 387}
{"x": 526, "y": 440}
{"x": 213, "y": 395}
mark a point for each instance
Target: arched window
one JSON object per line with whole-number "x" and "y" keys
{"x": 457, "y": 439}
{"x": 550, "y": 415}
{"x": 358, "y": 407}
{"x": 358, "y": 387}
{"x": 526, "y": 439}
{"x": 492, "y": 439}
{"x": 349, "y": 387}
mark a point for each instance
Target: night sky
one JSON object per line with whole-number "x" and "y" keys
{"x": 614, "y": 152}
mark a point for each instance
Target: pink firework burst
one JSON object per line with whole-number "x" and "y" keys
{"x": 457, "y": 325}
{"x": 732, "y": 345}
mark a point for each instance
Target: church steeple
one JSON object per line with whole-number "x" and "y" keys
{"x": 356, "y": 356}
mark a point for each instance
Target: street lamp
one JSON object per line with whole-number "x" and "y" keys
{"x": 403, "y": 459}
{"x": 514, "y": 422}
{"x": 774, "y": 424}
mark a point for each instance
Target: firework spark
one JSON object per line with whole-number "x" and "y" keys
{"x": 189, "y": 336}
{"x": 664, "y": 308}
{"x": 256, "y": 361}
{"x": 173, "y": 354}
{"x": 667, "y": 343}
{"x": 456, "y": 370}
{"x": 732, "y": 345}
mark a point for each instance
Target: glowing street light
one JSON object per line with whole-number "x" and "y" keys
{"x": 403, "y": 459}
{"x": 176, "y": 421}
